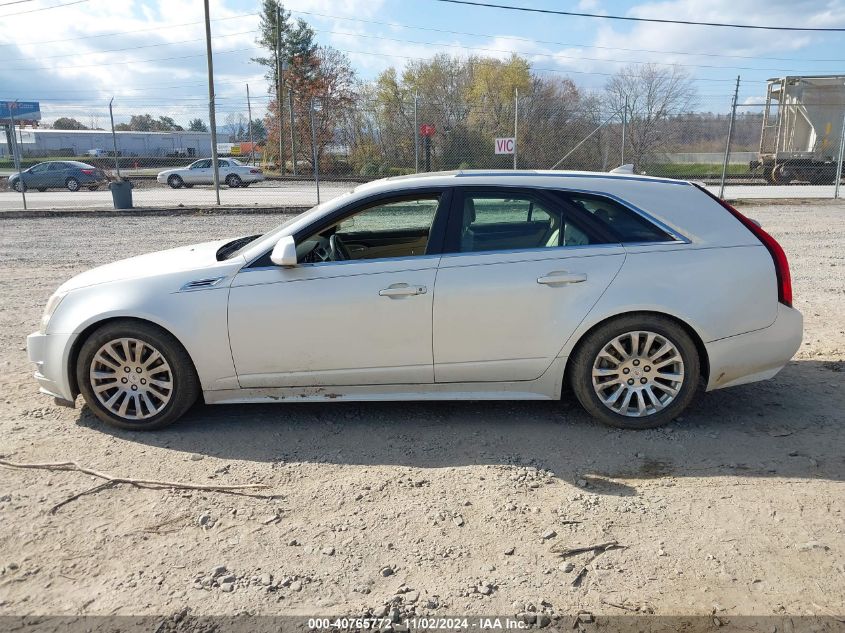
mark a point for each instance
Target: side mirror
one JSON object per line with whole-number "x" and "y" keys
{"x": 284, "y": 252}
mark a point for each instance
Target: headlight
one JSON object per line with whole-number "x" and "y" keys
{"x": 52, "y": 303}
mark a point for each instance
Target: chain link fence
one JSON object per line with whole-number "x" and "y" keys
{"x": 313, "y": 148}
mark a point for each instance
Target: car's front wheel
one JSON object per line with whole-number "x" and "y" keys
{"x": 175, "y": 181}
{"x": 136, "y": 376}
{"x": 636, "y": 372}
{"x": 19, "y": 186}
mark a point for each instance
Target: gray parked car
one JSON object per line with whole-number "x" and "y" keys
{"x": 64, "y": 174}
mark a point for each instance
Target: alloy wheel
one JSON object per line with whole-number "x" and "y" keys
{"x": 131, "y": 378}
{"x": 638, "y": 373}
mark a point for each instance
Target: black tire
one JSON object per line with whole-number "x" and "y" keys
{"x": 175, "y": 181}
{"x": 234, "y": 181}
{"x": 19, "y": 185}
{"x": 186, "y": 387}
{"x": 586, "y": 353}
{"x": 72, "y": 184}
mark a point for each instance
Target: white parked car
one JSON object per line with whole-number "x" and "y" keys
{"x": 637, "y": 292}
{"x": 232, "y": 172}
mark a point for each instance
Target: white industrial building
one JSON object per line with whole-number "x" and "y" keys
{"x": 36, "y": 142}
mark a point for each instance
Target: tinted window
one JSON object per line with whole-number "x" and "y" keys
{"x": 396, "y": 228}
{"x": 222, "y": 163}
{"x": 201, "y": 164}
{"x": 37, "y": 169}
{"x": 505, "y": 221}
{"x": 624, "y": 223}
{"x": 58, "y": 166}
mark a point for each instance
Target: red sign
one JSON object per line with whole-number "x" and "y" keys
{"x": 427, "y": 130}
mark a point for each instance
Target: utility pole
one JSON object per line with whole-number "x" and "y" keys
{"x": 114, "y": 140}
{"x": 211, "y": 118}
{"x": 292, "y": 132}
{"x": 249, "y": 127}
{"x": 730, "y": 137}
{"x": 624, "y": 127}
{"x": 416, "y": 137}
{"x": 515, "y": 124}
{"x": 15, "y": 153}
{"x": 279, "y": 90}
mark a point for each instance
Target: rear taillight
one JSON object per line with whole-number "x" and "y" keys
{"x": 775, "y": 250}
{"x": 255, "y": 171}
{"x": 87, "y": 172}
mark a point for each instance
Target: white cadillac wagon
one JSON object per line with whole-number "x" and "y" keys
{"x": 635, "y": 292}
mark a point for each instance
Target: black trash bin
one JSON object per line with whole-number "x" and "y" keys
{"x": 121, "y": 193}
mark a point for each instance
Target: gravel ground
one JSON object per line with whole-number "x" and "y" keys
{"x": 458, "y": 508}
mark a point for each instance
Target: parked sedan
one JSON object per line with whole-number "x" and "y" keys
{"x": 232, "y": 172}
{"x": 59, "y": 174}
{"x": 635, "y": 292}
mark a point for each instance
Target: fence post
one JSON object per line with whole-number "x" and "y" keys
{"x": 314, "y": 151}
{"x": 728, "y": 143}
{"x": 839, "y": 159}
{"x": 249, "y": 127}
{"x": 15, "y": 155}
{"x": 292, "y": 131}
{"x": 624, "y": 127}
{"x": 416, "y": 138}
{"x": 114, "y": 140}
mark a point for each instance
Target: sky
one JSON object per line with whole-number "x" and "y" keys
{"x": 150, "y": 54}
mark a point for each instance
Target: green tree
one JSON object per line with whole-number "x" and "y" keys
{"x": 197, "y": 125}
{"x": 66, "y": 123}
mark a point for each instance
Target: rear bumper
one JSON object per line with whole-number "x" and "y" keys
{"x": 49, "y": 353}
{"x": 757, "y": 355}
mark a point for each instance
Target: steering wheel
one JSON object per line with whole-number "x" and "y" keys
{"x": 338, "y": 249}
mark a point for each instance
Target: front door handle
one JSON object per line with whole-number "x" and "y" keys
{"x": 402, "y": 290}
{"x": 560, "y": 277}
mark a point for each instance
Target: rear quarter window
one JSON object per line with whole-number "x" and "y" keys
{"x": 627, "y": 225}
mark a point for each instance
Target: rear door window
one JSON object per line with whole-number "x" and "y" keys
{"x": 624, "y": 223}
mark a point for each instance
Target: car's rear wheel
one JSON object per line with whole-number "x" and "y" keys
{"x": 136, "y": 376}
{"x": 233, "y": 180}
{"x": 72, "y": 184}
{"x": 636, "y": 372}
{"x": 175, "y": 181}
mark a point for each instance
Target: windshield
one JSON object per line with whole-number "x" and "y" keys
{"x": 236, "y": 161}
{"x": 240, "y": 245}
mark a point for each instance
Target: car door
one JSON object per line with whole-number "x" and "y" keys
{"x": 56, "y": 175}
{"x": 36, "y": 176}
{"x": 198, "y": 173}
{"x": 362, "y": 318}
{"x": 521, "y": 270}
{"x": 224, "y": 169}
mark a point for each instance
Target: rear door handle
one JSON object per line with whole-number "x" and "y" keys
{"x": 402, "y": 290}
{"x": 560, "y": 277}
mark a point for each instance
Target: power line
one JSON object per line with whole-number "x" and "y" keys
{"x": 132, "y": 32}
{"x": 5, "y": 4}
{"x": 573, "y": 57}
{"x": 569, "y": 44}
{"x": 633, "y": 19}
{"x": 133, "y": 48}
{"x": 55, "y": 6}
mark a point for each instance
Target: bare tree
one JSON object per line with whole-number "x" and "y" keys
{"x": 654, "y": 94}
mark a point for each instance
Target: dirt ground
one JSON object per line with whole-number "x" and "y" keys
{"x": 426, "y": 508}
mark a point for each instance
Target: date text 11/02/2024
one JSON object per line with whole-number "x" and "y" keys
{"x": 456, "y": 623}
